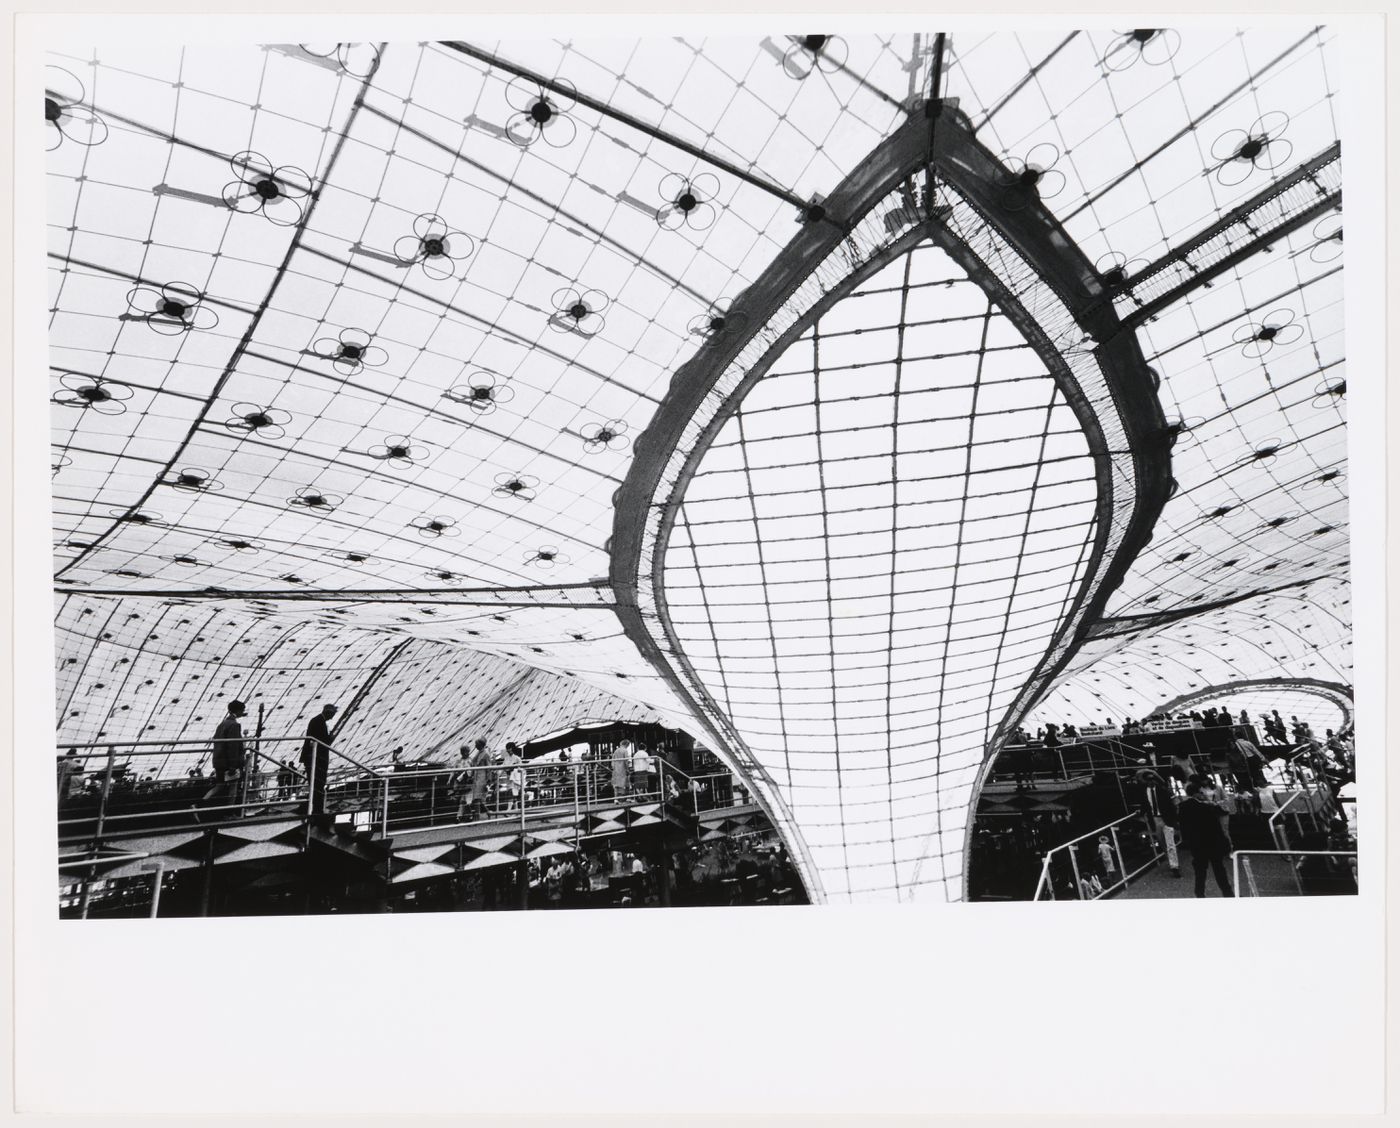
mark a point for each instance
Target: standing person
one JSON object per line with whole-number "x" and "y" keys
{"x": 621, "y": 767}
{"x": 1238, "y": 762}
{"x": 1023, "y": 768}
{"x": 1183, "y": 768}
{"x": 554, "y": 883}
{"x": 1107, "y": 862}
{"x": 641, "y": 768}
{"x": 462, "y": 782}
{"x": 286, "y": 779}
{"x": 1254, "y": 759}
{"x": 515, "y": 775}
{"x": 227, "y": 757}
{"x": 316, "y": 756}
{"x": 1159, "y": 809}
{"x": 480, "y": 778}
{"x": 1203, "y": 833}
{"x": 70, "y": 775}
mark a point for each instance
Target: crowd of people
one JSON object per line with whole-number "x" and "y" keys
{"x": 1199, "y": 815}
{"x": 1052, "y": 735}
{"x": 489, "y": 784}
{"x": 479, "y": 784}
{"x": 747, "y": 870}
{"x": 1188, "y": 789}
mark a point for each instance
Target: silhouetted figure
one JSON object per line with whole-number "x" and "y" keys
{"x": 1203, "y": 833}
{"x": 316, "y": 756}
{"x": 227, "y": 757}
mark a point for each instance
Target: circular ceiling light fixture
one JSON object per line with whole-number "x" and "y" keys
{"x": 718, "y": 323}
{"x": 309, "y": 497}
{"x": 687, "y": 202}
{"x": 806, "y": 53}
{"x": 66, "y": 118}
{"x": 265, "y": 422}
{"x": 1151, "y": 45}
{"x": 92, "y": 393}
{"x": 175, "y": 308}
{"x": 350, "y": 352}
{"x": 483, "y": 392}
{"x": 541, "y": 115}
{"x": 434, "y": 248}
{"x": 519, "y": 486}
{"x": 598, "y": 437}
{"x": 430, "y": 528}
{"x": 579, "y": 311}
{"x": 261, "y": 189}
{"x": 1240, "y": 152}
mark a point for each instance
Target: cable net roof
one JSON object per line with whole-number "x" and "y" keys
{"x": 358, "y": 340}
{"x": 143, "y": 670}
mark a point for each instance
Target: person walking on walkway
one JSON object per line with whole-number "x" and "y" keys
{"x": 1203, "y": 833}
{"x": 227, "y": 757}
{"x": 316, "y": 756}
{"x": 479, "y": 778}
{"x": 1159, "y": 809}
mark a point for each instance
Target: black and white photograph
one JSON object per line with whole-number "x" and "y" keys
{"x": 882, "y": 499}
{"x": 564, "y": 473}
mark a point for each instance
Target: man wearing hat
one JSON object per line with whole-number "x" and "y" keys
{"x": 227, "y": 757}
{"x": 316, "y": 756}
{"x": 1159, "y": 809}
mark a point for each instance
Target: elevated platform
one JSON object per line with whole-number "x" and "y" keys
{"x": 350, "y": 839}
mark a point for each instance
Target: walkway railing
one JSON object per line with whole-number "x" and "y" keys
{"x": 1308, "y": 802}
{"x": 1132, "y": 848}
{"x": 1099, "y": 755}
{"x": 108, "y": 787}
{"x": 412, "y": 799}
{"x": 1294, "y": 873}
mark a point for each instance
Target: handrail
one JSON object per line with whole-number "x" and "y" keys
{"x": 204, "y": 743}
{"x": 334, "y": 751}
{"x": 1299, "y": 753}
{"x": 541, "y": 786}
{"x": 1092, "y": 833}
{"x": 97, "y": 860}
{"x": 344, "y": 777}
{"x": 1112, "y": 828}
{"x": 1237, "y": 855}
{"x": 1275, "y": 831}
{"x": 208, "y": 743}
